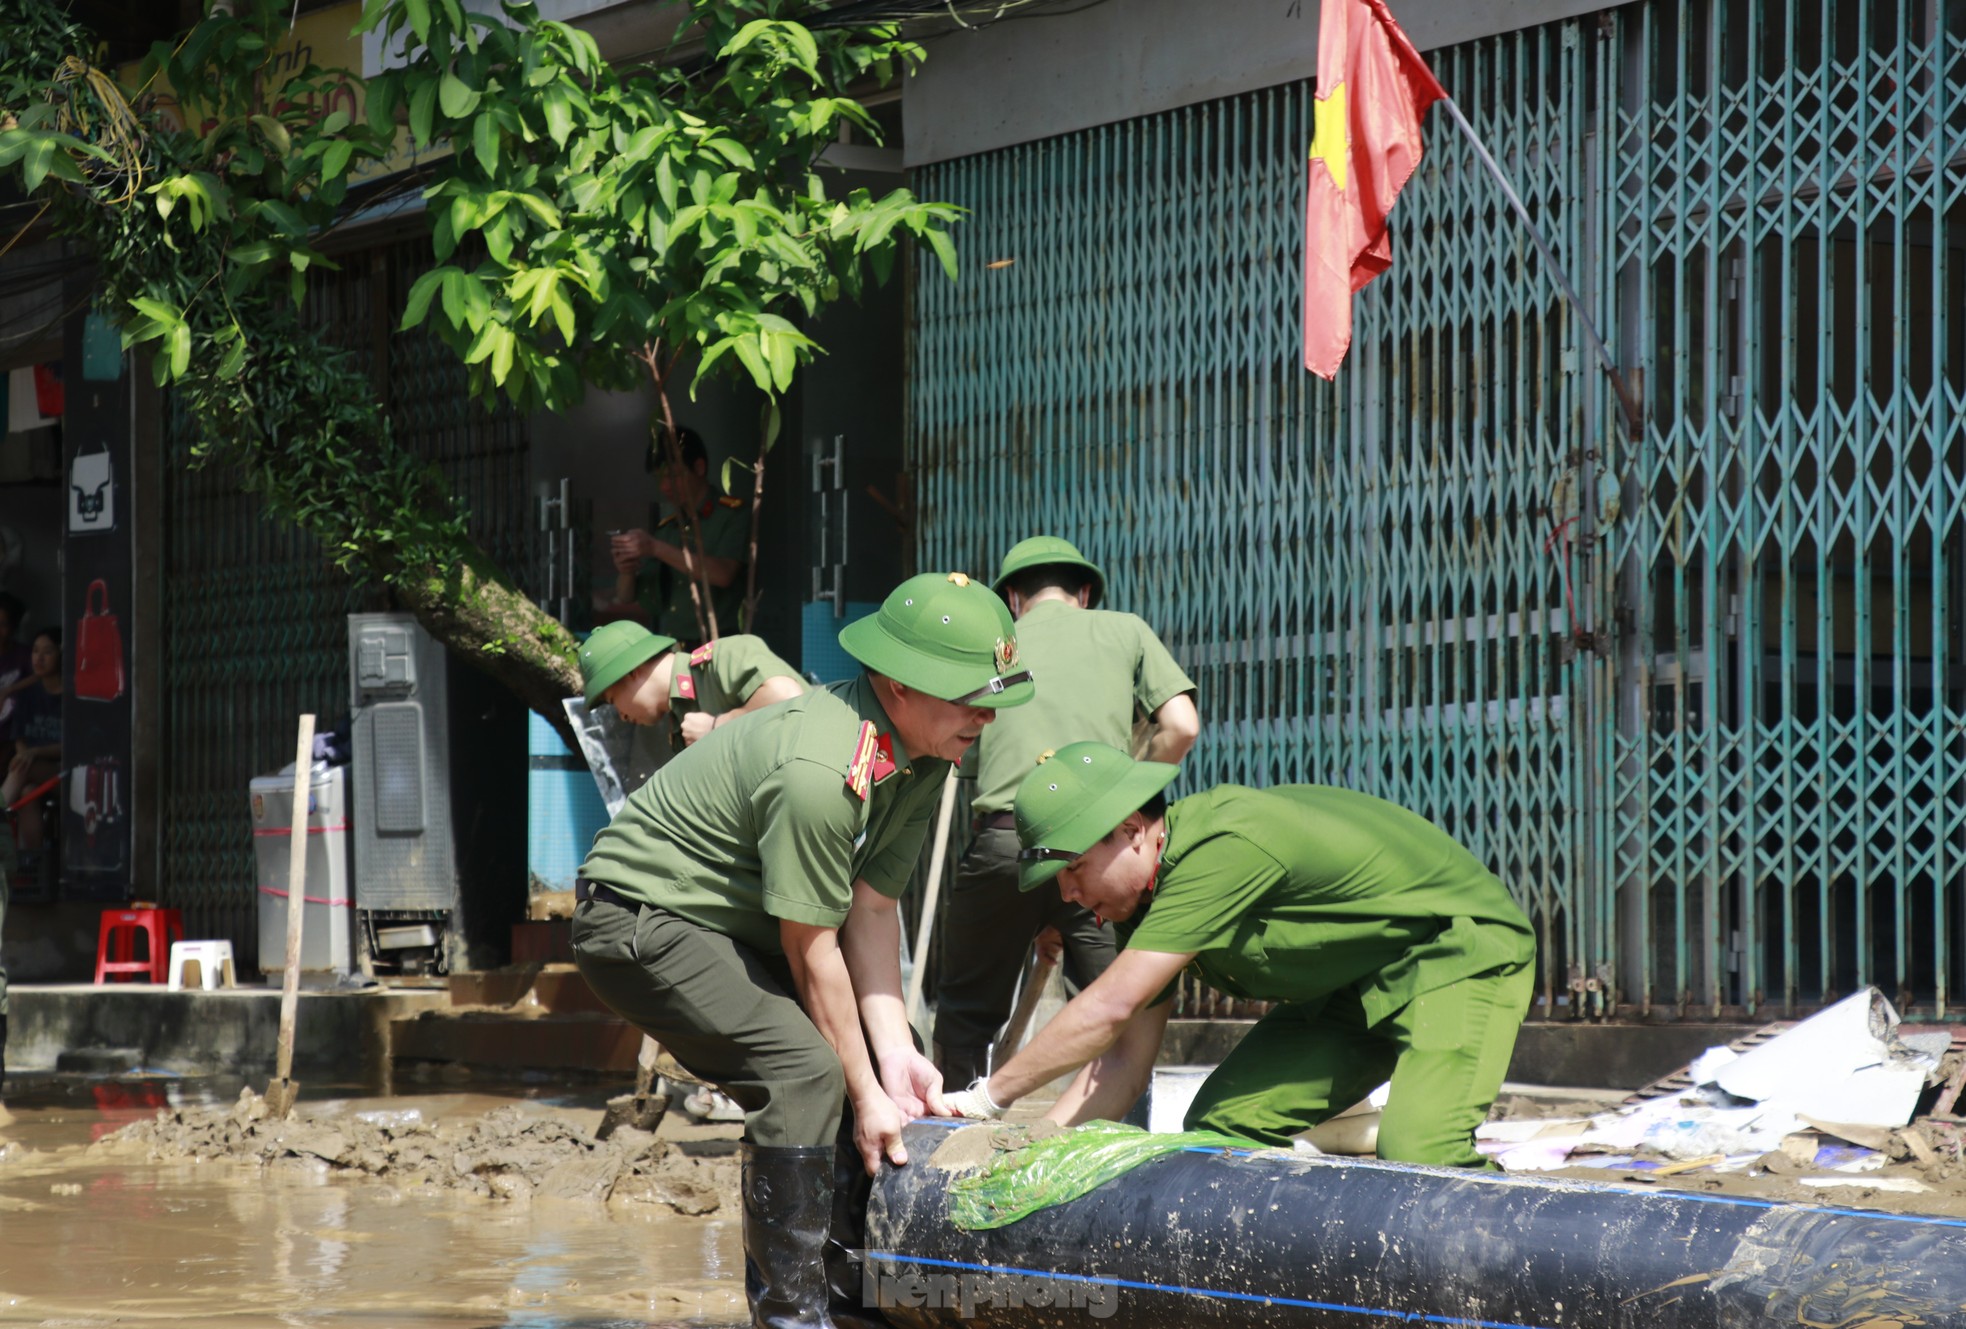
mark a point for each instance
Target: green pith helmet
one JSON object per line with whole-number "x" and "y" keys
{"x": 1073, "y": 799}
{"x": 1040, "y": 550}
{"x": 945, "y": 635}
{"x": 615, "y": 650}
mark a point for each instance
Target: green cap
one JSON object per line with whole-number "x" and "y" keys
{"x": 1073, "y": 800}
{"x": 945, "y": 635}
{"x": 1040, "y": 550}
{"x": 615, "y": 650}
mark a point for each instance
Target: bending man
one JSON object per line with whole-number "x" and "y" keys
{"x": 1391, "y": 953}
{"x": 644, "y": 677}
{"x": 740, "y": 910}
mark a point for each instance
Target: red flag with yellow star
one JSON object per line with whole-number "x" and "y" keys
{"x": 1372, "y": 89}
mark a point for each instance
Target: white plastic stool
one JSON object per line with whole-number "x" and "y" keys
{"x": 213, "y": 958}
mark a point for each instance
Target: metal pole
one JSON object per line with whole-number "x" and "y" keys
{"x": 1557, "y": 274}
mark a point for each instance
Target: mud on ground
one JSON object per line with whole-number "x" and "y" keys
{"x": 517, "y": 1153}
{"x": 509, "y": 1153}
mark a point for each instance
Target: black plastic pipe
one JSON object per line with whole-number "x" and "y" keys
{"x": 1206, "y": 1238}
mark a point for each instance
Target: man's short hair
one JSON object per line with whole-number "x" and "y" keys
{"x": 1067, "y": 577}
{"x": 688, "y": 442}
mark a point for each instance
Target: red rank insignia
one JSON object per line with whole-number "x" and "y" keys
{"x": 860, "y": 771}
{"x": 883, "y": 757}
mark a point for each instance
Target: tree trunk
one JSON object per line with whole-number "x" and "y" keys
{"x": 495, "y": 627}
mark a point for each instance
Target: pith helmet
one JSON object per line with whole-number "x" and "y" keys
{"x": 945, "y": 635}
{"x": 615, "y": 650}
{"x": 1073, "y": 799}
{"x": 1040, "y": 550}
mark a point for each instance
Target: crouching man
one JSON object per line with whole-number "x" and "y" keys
{"x": 740, "y": 910}
{"x": 1391, "y": 952}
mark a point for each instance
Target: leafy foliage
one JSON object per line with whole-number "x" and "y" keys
{"x": 674, "y": 208}
{"x": 621, "y": 221}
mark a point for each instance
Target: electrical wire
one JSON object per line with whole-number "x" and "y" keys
{"x": 980, "y": 13}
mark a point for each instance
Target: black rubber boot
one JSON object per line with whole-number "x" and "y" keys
{"x": 788, "y": 1207}
{"x": 960, "y": 1065}
{"x": 3, "y": 1054}
{"x": 846, "y": 1238}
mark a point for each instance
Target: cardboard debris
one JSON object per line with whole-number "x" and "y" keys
{"x": 1846, "y": 1072}
{"x": 1845, "y": 1064}
{"x": 1909, "y": 1185}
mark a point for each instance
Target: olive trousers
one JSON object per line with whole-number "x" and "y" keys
{"x": 725, "y": 1011}
{"x": 987, "y": 925}
{"x": 1445, "y": 1052}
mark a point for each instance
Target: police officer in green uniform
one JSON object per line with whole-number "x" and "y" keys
{"x": 1390, "y": 951}
{"x": 741, "y": 910}
{"x": 658, "y": 591}
{"x": 647, "y": 679}
{"x": 1101, "y": 670}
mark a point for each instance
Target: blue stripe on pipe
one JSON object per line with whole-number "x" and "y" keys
{"x": 1219, "y": 1295}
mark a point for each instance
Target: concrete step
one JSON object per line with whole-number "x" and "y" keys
{"x": 554, "y": 989}
{"x": 94, "y": 1030}
{"x": 517, "y": 1040}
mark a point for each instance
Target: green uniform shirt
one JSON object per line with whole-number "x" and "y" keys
{"x": 775, "y": 816}
{"x": 1093, "y": 668}
{"x": 719, "y": 677}
{"x": 664, "y": 592}
{"x": 1290, "y": 894}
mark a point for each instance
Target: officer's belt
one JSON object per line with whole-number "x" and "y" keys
{"x": 997, "y": 821}
{"x": 585, "y": 890}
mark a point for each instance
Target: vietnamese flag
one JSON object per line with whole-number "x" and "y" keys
{"x": 1372, "y": 89}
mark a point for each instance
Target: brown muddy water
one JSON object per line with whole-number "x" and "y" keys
{"x": 98, "y": 1229}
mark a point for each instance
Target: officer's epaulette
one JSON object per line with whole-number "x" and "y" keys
{"x": 860, "y": 771}
{"x": 730, "y": 502}
{"x": 701, "y": 655}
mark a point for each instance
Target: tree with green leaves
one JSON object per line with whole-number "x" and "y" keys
{"x": 589, "y": 227}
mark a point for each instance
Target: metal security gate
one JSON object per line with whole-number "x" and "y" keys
{"x": 1785, "y": 223}
{"x": 1624, "y": 672}
{"x": 255, "y": 625}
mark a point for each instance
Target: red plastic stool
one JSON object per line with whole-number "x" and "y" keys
{"x": 116, "y": 942}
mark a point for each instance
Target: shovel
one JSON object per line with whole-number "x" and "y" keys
{"x": 280, "y": 1094}
{"x": 642, "y": 1110}
{"x": 1036, "y": 975}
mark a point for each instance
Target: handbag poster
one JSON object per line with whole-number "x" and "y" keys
{"x": 98, "y": 599}
{"x": 98, "y": 667}
{"x": 92, "y": 493}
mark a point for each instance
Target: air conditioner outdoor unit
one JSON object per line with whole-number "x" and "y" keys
{"x": 406, "y": 876}
{"x": 439, "y": 816}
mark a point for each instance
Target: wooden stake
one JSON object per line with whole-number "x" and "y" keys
{"x": 280, "y": 1094}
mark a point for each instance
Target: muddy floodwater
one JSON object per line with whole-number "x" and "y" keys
{"x": 99, "y": 1230}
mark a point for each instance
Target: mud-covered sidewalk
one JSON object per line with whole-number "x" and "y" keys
{"x": 508, "y": 1153}
{"x": 179, "y": 1204}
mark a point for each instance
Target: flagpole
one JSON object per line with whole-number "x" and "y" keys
{"x": 1625, "y": 399}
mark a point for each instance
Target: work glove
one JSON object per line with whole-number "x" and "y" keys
{"x": 975, "y": 1102}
